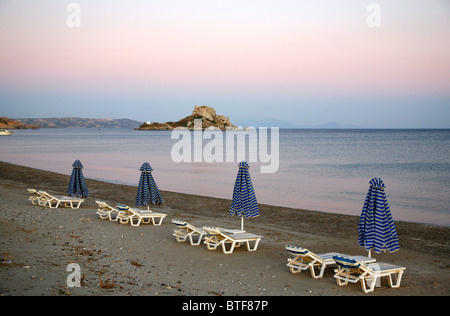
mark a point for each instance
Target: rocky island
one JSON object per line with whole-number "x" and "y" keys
{"x": 210, "y": 120}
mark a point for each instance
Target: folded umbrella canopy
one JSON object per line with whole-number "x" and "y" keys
{"x": 376, "y": 228}
{"x": 244, "y": 200}
{"x": 148, "y": 192}
{"x": 77, "y": 184}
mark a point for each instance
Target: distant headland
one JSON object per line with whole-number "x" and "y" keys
{"x": 8, "y": 123}
{"x": 210, "y": 120}
{"x": 78, "y": 122}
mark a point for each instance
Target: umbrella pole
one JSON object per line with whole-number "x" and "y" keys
{"x": 242, "y": 223}
{"x": 370, "y": 253}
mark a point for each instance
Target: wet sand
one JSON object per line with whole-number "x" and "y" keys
{"x": 37, "y": 244}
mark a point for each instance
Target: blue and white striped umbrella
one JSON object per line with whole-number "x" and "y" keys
{"x": 77, "y": 184}
{"x": 148, "y": 192}
{"x": 244, "y": 199}
{"x": 376, "y": 228}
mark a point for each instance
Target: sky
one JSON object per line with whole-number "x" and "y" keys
{"x": 371, "y": 64}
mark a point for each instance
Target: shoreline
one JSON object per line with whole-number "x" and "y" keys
{"x": 56, "y": 236}
{"x": 126, "y": 184}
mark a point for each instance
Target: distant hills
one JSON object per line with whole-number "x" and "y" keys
{"x": 219, "y": 121}
{"x": 77, "y": 122}
{"x": 286, "y": 124}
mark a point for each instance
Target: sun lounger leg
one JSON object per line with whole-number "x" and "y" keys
{"x": 255, "y": 246}
{"x": 295, "y": 269}
{"x": 313, "y": 272}
{"x": 369, "y": 282}
{"x": 233, "y": 244}
{"x": 102, "y": 214}
{"x": 398, "y": 277}
{"x": 146, "y": 220}
{"x": 339, "y": 281}
{"x": 33, "y": 200}
{"x": 199, "y": 240}
{"x": 43, "y": 202}
{"x": 211, "y": 247}
{"x": 295, "y": 266}
{"x": 211, "y": 242}
{"x": 124, "y": 220}
{"x": 56, "y": 205}
{"x": 159, "y": 222}
{"x": 138, "y": 222}
{"x": 180, "y": 238}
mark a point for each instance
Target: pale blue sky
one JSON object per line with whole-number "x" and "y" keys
{"x": 305, "y": 62}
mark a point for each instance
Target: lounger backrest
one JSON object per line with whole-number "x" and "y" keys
{"x": 105, "y": 205}
{"x": 185, "y": 224}
{"x": 46, "y": 194}
{"x": 179, "y": 223}
{"x": 131, "y": 211}
{"x": 304, "y": 253}
{"x": 211, "y": 230}
{"x": 101, "y": 203}
{"x": 49, "y": 195}
{"x": 347, "y": 262}
{"x": 122, "y": 207}
{"x": 297, "y": 251}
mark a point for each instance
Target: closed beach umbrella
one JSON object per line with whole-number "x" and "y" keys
{"x": 148, "y": 192}
{"x": 376, "y": 228}
{"x": 77, "y": 184}
{"x": 244, "y": 200}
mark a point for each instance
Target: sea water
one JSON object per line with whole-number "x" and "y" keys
{"x": 323, "y": 170}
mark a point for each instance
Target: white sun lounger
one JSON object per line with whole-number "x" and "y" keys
{"x": 305, "y": 259}
{"x": 350, "y": 270}
{"x": 187, "y": 231}
{"x": 107, "y": 211}
{"x": 221, "y": 237}
{"x": 136, "y": 216}
{"x": 54, "y": 201}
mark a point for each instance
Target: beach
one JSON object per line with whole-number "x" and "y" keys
{"x": 37, "y": 245}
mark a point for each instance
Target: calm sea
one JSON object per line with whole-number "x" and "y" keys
{"x": 324, "y": 170}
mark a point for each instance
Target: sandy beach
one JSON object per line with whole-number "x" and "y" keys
{"x": 37, "y": 244}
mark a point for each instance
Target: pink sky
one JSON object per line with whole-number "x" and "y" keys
{"x": 277, "y": 47}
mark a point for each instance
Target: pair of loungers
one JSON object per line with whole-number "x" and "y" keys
{"x": 125, "y": 214}
{"x": 215, "y": 237}
{"x": 43, "y": 198}
{"x": 350, "y": 268}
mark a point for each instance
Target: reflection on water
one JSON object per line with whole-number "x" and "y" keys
{"x": 326, "y": 170}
